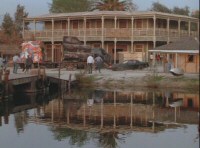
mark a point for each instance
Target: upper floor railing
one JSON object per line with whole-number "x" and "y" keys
{"x": 121, "y": 34}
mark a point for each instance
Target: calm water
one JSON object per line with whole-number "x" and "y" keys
{"x": 101, "y": 119}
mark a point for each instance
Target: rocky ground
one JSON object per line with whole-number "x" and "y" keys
{"x": 135, "y": 78}
{"x": 130, "y": 78}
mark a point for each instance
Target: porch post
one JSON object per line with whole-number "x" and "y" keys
{"x": 154, "y": 31}
{"x": 23, "y": 31}
{"x": 52, "y": 41}
{"x": 189, "y": 28}
{"x": 179, "y": 28}
{"x": 132, "y": 21}
{"x": 115, "y": 51}
{"x": 176, "y": 66}
{"x": 102, "y": 31}
{"x": 84, "y": 26}
{"x": 168, "y": 38}
{"x": 68, "y": 26}
{"x": 102, "y": 104}
{"x": 34, "y": 28}
{"x": 198, "y": 28}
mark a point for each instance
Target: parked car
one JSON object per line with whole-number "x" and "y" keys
{"x": 130, "y": 64}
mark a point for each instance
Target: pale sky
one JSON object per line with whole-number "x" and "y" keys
{"x": 39, "y": 7}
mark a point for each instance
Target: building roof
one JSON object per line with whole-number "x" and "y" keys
{"x": 185, "y": 45}
{"x": 107, "y": 14}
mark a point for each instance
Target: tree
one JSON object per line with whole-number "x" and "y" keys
{"x": 19, "y": 15}
{"x": 8, "y": 25}
{"x": 130, "y": 6}
{"x": 114, "y": 5}
{"x": 62, "y": 6}
{"x": 156, "y": 6}
{"x": 110, "y": 5}
{"x": 181, "y": 11}
{"x": 195, "y": 14}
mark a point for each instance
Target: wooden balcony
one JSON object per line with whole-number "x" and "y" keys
{"x": 109, "y": 34}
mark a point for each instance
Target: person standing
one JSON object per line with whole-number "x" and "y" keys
{"x": 90, "y": 62}
{"x": 29, "y": 62}
{"x": 16, "y": 60}
{"x": 98, "y": 62}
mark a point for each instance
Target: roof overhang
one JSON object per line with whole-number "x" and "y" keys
{"x": 175, "y": 51}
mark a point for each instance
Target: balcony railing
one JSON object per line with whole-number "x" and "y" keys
{"x": 109, "y": 33}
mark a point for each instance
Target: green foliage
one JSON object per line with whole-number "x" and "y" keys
{"x": 114, "y": 5}
{"x": 195, "y": 14}
{"x": 62, "y": 6}
{"x": 8, "y": 24}
{"x": 181, "y": 11}
{"x": 84, "y": 79}
{"x": 156, "y": 6}
{"x": 19, "y": 15}
{"x": 12, "y": 29}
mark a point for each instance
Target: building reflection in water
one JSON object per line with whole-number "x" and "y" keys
{"x": 111, "y": 110}
{"x": 105, "y": 113}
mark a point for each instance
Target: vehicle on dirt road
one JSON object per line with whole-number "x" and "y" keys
{"x": 129, "y": 65}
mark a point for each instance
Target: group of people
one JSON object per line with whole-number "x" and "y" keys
{"x": 97, "y": 61}
{"x": 27, "y": 63}
{"x": 3, "y": 63}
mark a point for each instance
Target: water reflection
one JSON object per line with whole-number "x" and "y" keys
{"x": 98, "y": 115}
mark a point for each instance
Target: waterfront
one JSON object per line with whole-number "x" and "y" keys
{"x": 101, "y": 118}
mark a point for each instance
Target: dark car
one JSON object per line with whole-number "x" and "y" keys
{"x": 130, "y": 64}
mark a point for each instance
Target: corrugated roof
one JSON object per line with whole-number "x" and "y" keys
{"x": 182, "y": 45}
{"x": 105, "y": 13}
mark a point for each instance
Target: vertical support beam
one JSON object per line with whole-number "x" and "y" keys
{"x": 102, "y": 31}
{"x": 34, "y": 29}
{"x": 154, "y": 59}
{"x": 84, "y": 27}
{"x": 168, "y": 38}
{"x": 102, "y": 113}
{"x": 176, "y": 66}
{"x": 179, "y": 28}
{"x": 189, "y": 28}
{"x": 153, "y": 124}
{"x": 132, "y": 21}
{"x": 52, "y": 41}
{"x": 115, "y": 42}
{"x": 115, "y": 22}
{"x": 23, "y": 30}
{"x": 147, "y": 53}
{"x": 84, "y": 115}
{"x": 131, "y": 124}
{"x": 154, "y": 31}
{"x": 52, "y": 111}
{"x": 197, "y": 29}
{"x": 68, "y": 26}
{"x": 115, "y": 51}
{"x": 114, "y": 122}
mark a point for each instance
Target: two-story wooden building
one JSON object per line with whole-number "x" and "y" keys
{"x": 118, "y": 32}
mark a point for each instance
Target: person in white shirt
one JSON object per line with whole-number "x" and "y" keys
{"x": 16, "y": 60}
{"x": 90, "y": 62}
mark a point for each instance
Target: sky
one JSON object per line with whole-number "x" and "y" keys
{"x": 39, "y": 7}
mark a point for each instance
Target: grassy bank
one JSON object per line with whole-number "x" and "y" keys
{"x": 148, "y": 81}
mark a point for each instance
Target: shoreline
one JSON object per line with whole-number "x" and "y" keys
{"x": 142, "y": 78}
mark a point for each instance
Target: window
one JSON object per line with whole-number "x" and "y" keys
{"x": 138, "y": 23}
{"x": 122, "y": 23}
{"x": 139, "y": 47}
{"x": 190, "y": 58}
{"x": 75, "y": 24}
{"x": 190, "y": 102}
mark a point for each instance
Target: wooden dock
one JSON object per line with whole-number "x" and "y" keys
{"x": 29, "y": 81}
